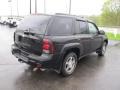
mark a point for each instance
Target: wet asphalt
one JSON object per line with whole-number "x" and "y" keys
{"x": 92, "y": 72}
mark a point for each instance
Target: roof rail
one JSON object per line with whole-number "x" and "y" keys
{"x": 61, "y": 14}
{"x": 69, "y": 15}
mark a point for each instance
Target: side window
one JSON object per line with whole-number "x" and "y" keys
{"x": 61, "y": 26}
{"x": 81, "y": 27}
{"x": 92, "y": 28}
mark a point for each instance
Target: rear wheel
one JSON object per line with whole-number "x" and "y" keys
{"x": 69, "y": 64}
{"x": 102, "y": 50}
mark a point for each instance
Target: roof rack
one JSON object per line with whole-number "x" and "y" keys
{"x": 76, "y": 16}
{"x": 61, "y": 14}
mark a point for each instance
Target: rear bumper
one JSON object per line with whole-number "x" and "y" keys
{"x": 49, "y": 61}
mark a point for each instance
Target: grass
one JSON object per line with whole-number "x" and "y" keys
{"x": 111, "y": 36}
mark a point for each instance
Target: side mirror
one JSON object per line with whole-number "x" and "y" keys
{"x": 101, "y": 32}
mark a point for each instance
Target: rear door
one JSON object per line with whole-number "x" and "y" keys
{"x": 83, "y": 36}
{"x": 30, "y": 43}
{"x": 95, "y": 37}
{"x": 30, "y": 33}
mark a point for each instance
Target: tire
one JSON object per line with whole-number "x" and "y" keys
{"x": 69, "y": 64}
{"x": 102, "y": 50}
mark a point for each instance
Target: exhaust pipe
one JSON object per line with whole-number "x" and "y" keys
{"x": 38, "y": 67}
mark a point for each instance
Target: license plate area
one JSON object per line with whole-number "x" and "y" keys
{"x": 24, "y": 41}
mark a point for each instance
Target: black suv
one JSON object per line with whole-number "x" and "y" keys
{"x": 57, "y": 42}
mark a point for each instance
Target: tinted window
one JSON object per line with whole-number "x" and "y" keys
{"x": 92, "y": 28}
{"x": 36, "y": 24}
{"x": 60, "y": 26}
{"x": 81, "y": 27}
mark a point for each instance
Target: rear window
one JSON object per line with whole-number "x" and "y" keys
{"x": 60, "y": 26}
{"x": 35, "y": 24}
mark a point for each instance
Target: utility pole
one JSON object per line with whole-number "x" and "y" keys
{"x": 30, "y": 6}
{"x": 44, "y": 6}
{"x": 17, "y": 9}
{"x": 10, "y": 1}
{"x": 70, "y": 7}
{"x": 35, "y": 6}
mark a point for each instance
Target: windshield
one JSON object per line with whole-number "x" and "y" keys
{"x": 36, "y": 24}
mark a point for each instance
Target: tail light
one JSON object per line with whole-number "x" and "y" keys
{"x": 48, "y": 46}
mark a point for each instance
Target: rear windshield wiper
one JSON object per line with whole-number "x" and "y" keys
{"x": 29, "y": 32}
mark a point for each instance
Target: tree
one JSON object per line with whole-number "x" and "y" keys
{"x": 111, "y": 13}
{"x": 95, "y": 19}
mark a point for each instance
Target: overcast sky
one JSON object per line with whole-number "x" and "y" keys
{"x": 79, "y": 7}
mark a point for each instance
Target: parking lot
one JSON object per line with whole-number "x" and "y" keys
{"x": 92, "y": 72}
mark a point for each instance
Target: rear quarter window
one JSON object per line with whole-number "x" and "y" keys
{"x": 60, "y": 26}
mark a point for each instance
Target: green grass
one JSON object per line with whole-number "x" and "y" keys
{"x": 111, "y": 36}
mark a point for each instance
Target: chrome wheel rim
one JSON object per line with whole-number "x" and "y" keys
{"x": 70, "y": 64}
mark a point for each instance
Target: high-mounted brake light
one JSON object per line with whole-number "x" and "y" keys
{"x": 48, "y": 46}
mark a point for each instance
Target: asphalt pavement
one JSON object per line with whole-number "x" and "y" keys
{"x": 92, "y": 72}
